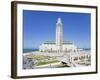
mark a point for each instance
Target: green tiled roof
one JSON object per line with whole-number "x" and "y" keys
{"x": 49, "y": 42}
{"x": 52, "y": 42}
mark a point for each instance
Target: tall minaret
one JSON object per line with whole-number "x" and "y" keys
{"x": 59, "y": 35}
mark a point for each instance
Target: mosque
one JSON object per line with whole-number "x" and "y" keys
{"x": 59, "y": 45}
{"x": 65, "y": 52}
{"x": 72, "y": 55}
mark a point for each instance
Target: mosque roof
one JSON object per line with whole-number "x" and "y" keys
{"x": 53, "y": 42}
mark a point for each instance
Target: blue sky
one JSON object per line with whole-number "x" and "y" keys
{"x": 40, "y": 26}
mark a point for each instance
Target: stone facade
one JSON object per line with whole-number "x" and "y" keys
{"x": 59, "y": 45}
{"x": 51, "y": 47}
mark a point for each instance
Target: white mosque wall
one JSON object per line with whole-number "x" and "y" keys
{"x": 53, "y": 47}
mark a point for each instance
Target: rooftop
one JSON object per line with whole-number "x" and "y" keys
{"x": 53, "y": 42}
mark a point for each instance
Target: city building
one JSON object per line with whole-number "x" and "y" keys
{"x": 59, "y": 45}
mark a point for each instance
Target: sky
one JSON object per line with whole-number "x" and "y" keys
{"x": 40, "y": 26}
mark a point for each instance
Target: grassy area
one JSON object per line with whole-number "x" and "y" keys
{"x": 39, "y": 57}
{"x": 47, "y": 62}
{"x": 42, "y": 60}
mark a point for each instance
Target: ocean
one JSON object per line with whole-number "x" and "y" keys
{"x": 29, "y": 50}
{"x": 87, "y": 49}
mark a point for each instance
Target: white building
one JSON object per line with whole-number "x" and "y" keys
{"x": 64, "y": 51}
{"x": 50, "y": 46}
{"x": 59, "y": 45}
{"x": 71, "y": 55}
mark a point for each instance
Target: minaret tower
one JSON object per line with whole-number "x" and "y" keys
{"x": 59, "y": 35}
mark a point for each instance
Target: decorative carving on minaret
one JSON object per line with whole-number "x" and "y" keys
{"x": 59, "y": 35}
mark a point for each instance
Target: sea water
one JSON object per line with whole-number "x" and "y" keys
{"x": 29, "y": 50}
